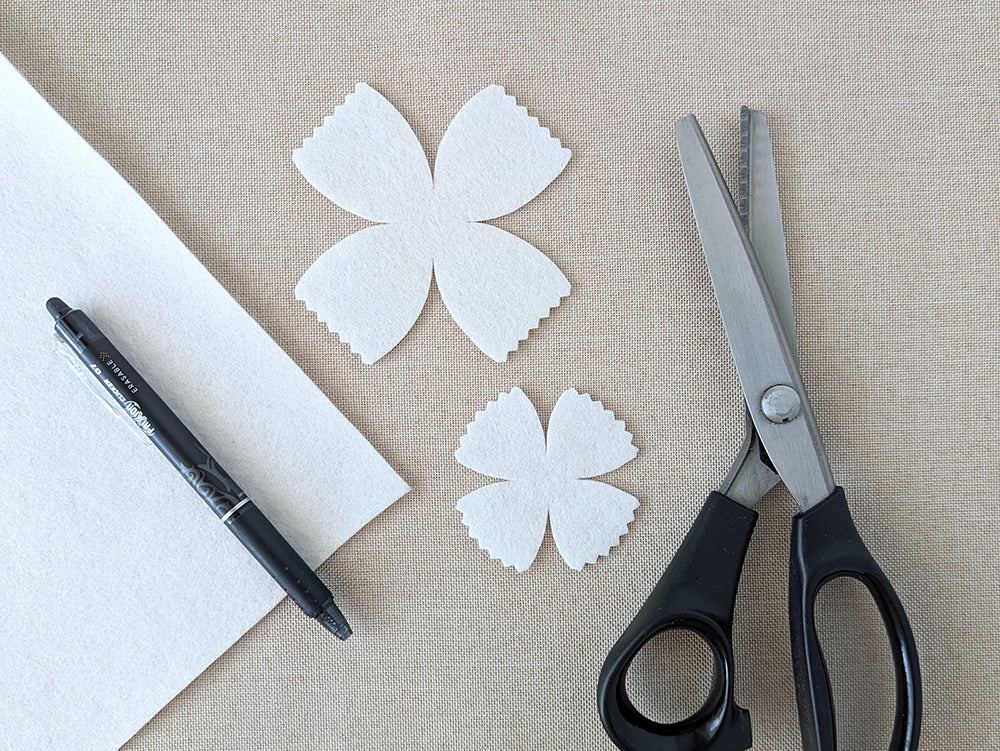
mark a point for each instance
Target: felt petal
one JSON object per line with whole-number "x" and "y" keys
{"x": 494, "y": 158}
{"x": 584, "y": 439}
{"x": 505, "y": 439}
{"x": 369, "y": 288}
{"x": 507, "y": 519}
{"x": 366, "y": 159}
{"x": 588, "y": 518}
{"x": 496, "y": 286}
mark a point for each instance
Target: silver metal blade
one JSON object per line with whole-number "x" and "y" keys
{"x": 760, "y": 209}
{"x": 761, "y": 350}
{"x": 749, "y": 477}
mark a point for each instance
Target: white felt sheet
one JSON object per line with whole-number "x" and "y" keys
{"x": 370, "y": 287}
{"x": 545, "y": 478}
{"x": 118, "y": 584}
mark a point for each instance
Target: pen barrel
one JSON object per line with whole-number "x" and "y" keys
{"x": 156, "y": 420}
{"x": 279, "y": 559}
{"x": 140, "y": 404}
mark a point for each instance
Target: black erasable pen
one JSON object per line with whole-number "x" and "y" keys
{"x": 146, "y": 411}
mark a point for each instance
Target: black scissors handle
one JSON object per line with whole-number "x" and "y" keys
{"x": 697, "y": 593}
{"x": 826, "y": 545}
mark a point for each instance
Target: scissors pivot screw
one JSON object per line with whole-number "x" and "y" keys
{"x": 781, "y": 403}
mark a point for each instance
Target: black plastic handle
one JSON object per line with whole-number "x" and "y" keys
{"x": 697, "y": 592}
{"x": 826, "y": 545}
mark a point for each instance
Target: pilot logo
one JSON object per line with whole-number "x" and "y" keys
{"x": 133, "y": 410}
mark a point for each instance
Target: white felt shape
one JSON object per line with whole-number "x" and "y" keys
{"x": 505, "y": 439}
{"x": 517, "y": 541}
{"x": 366, "y": 159}
{"x": 496, "y": 286}
{"x": 588, "y": 518}
{"x": 493, "y": 159}
{"x": 118, "y": 586}
{"x": 584, "y": 439}
{"x": 382, "y": 287}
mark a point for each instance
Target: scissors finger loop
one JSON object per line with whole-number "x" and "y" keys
{"x": 697, "y": 593}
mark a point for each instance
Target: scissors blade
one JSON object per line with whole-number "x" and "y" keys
{"x": 765, "y": 360}
{"x": 751, "y": 476}
{"x": 760, "y": 209}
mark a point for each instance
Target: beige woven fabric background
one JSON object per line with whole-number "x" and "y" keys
{"x": 885, "y": 120}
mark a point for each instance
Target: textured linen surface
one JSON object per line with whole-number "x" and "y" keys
{"x": 884, "y": 122}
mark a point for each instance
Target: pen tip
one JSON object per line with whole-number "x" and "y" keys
{"x": 334, "y": 621}
{"x": 56, "y": 307}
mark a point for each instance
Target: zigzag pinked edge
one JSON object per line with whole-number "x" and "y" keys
{"x": 482, "y": 547}
{"x": 344, "y": 337}
{"x": 329, "y": 119}
{"x": 532, "y": 118}
{"x": 615, "y": 421}
{"x": 527, "y": 332}
{"x": 619, "y": 533}
{"x": 470, "y": 427}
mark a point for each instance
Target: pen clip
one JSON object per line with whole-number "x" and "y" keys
{"x": 89, "y": 379}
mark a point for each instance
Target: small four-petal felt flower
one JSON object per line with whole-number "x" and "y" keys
{"x": 546, "y": 479}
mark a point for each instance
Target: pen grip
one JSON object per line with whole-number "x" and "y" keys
{"x": 279, "y": 558}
